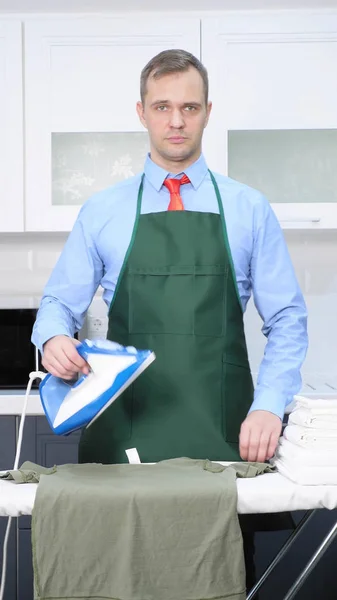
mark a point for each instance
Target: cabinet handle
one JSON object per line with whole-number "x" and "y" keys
{"x": 300, "y": 220}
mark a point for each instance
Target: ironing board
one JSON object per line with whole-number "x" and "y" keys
{"x": 264, "y": 494}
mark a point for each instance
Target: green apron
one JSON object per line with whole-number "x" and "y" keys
{"x": 177, "y": 295}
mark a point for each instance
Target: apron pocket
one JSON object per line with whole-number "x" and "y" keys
{"x": 182, "y": 300}
{"x": 237, "y": 396}
{"x": 209, "y": 297}
{"x": 160, "y": 301}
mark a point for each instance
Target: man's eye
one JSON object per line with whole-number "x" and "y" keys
{"x": 161, "y": 107}
{"x": 190, "y": 108}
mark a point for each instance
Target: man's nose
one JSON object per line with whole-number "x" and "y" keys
{"x": 177, "y": 119}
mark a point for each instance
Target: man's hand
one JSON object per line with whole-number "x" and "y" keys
{"x": 61, "y": 358}
{"x": 259, "y": 435}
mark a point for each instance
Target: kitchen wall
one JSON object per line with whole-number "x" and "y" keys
{"x": 27, "y": 259}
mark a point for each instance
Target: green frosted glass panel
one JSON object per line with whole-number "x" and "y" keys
{"x": 286, "y": 165}
{"x": 84, "y": 163}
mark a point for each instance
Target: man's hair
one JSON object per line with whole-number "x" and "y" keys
{"x": 171, "y": 61}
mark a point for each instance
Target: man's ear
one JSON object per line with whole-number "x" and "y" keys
{"x": 209, "y": 108}
{"x": 140, "y": 112}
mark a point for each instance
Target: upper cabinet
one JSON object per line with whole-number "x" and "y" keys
{"x": 273, "y": 84}
{"x": 273, "y": 126}
{"x": 81, "y": 87}
{"x": 11, "y": 133}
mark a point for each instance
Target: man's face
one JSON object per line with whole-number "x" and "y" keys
{"x": 175, "y": 114}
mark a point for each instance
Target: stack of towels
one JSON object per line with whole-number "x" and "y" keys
{"x": 307, "y": 452}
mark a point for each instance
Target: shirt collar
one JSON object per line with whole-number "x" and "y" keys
{"x": 196, "y": 172}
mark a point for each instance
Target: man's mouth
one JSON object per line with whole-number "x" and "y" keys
{"x": 177, "y": 139}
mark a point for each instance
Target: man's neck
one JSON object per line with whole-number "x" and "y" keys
{"x": 174, "y": 167}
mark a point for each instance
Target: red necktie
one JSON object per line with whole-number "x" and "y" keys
{"x": 173, "y": 186}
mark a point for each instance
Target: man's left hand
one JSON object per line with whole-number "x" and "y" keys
{"x": 259, "y": 435}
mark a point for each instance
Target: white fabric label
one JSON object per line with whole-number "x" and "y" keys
{"x": 133, "y": 456}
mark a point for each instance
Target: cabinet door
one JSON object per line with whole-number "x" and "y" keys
{"x": 274, "y": 123}
{"x": 44, "y": 447}
{"x": 25, "y": 566}
{"x": 82, "y": 85}
{"x": 11, "y": 132}
{"x": 7, "y": 455}
{"x": 52, "y": 449}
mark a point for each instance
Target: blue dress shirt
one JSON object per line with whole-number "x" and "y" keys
{"x": 94, "y": 253}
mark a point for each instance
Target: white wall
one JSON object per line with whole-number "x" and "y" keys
{"x": 27, "y": 259}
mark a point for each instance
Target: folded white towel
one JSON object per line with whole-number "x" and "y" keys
{"x": 307, "y": 475}
{"x": 306, "y": 418}
{"x": 290, "y": 453}
{"x": 318, "y": 407}
{"x": 315, "y": 438}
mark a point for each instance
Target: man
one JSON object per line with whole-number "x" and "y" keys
{"x": 178, "y": 251}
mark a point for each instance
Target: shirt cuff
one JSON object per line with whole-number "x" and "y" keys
{"x": 40, "y": 340}
{"x": 271, "y": 401}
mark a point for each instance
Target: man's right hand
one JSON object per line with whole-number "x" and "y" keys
{"x": 60, "y": 357}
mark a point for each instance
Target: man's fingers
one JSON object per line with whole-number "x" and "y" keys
{"x": 57, "y": 373}
{"x": 244, "y": 441}
{"x": 57, "y": 369}
{"x": 60, "y": 361}
{"x": 274, "y": 438}
{"x": 259, "y": 435}
{"x": 254, "y": 443}
{"x": 263, "y": 447}
{"x": 61, "y": 358}
{"x": 73, "y": 356}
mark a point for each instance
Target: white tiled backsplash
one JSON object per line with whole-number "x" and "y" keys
{"x": 26, "y": 261}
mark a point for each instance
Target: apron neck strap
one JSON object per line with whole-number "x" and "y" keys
{"x": 140, "y": 197}
{"x": 218, "y": 196}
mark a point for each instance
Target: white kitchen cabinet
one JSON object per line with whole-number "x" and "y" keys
{"x": 273, "y": 82}
{"x": 81, "y": 87}
{"x": 11, "y": 132}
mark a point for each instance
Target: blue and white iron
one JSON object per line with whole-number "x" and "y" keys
{"x": 112, "y": 369}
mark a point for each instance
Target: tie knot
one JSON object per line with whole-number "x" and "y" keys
{"x": 173, "y": 185}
